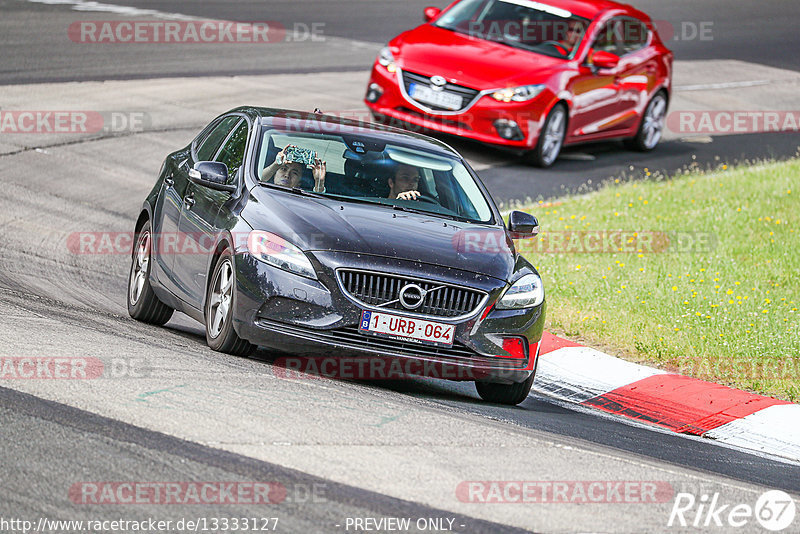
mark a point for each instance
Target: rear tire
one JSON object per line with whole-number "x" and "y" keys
{"x": 511, "y": 394}
{"x": 551, "y": 138}
{"x": 220, "y": 303}
{"x": 143, "y": 305}
{"x": 652, "y": 126}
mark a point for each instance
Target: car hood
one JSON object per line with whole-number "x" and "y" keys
{"x": 327, "y": 225}
{"x": 469, "y": 61}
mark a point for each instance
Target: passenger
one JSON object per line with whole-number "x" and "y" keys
{"x": 403, "y": 185}
{"x": 289, "y": 173}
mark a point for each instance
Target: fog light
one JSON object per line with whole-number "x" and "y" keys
{"x": 515, "y": 347}
{"x": 508, "y": 129}
{"x": 374, "y": 92}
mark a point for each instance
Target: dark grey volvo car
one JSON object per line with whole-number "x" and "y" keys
{"x": 345, "y": 268}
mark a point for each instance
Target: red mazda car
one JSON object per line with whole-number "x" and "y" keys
{"x": 528, "y": 75}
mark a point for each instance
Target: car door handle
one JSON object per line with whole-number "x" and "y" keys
{"x": 189, "y": 201}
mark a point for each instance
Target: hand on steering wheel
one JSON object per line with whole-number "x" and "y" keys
{"x": 556, "y": 44}
{"x": 416, "y": 195}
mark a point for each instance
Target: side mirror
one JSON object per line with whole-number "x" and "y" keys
{"x": 431, "y": 13}
{"x": 211, "y": 174}
{"x": 604, "y": 60}
{"x": 522, "y": 224}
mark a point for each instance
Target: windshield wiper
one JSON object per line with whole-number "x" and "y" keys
{"x": 407, "y": 209}
{"x": 433, "y": 213}
{"x": 295, "y": 190}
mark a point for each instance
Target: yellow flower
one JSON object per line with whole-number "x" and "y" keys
{"x": 674, "y": 288}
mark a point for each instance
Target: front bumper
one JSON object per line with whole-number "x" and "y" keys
{"x": 313, "y": 318}
{"x": 477, "y": 122}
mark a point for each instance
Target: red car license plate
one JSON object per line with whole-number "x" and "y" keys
{"x": 407, "y": 328}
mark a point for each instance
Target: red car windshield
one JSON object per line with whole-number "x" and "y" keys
{"x": 522, "y": 24}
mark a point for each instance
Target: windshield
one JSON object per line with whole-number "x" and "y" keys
{"x": 522, "y": 24}
{"x": 357, "y": 167}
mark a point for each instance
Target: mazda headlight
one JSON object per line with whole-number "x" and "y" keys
{"x": 526, "y": 292}
{"x": 518, "y": 94}
{"x": 278, "y": 252}
{"x": 386, "y": 59}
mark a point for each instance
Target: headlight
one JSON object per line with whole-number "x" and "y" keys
{"x": 526, "y": 292}
{"x": 278, "y": 252}
{"x": 518, "y": 94}
{"x": 386, "y": 59}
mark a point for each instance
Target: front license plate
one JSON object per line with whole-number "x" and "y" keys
{"x": 427, "y": 95}
{"x": 406, "y": 328}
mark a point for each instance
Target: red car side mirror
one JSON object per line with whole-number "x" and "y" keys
{"x": 604, "y": 60}
{"x": 431, "y": 13}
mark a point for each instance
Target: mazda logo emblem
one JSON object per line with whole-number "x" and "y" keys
{"x": 411, "y": 296}
{"x": 438, "y": 83}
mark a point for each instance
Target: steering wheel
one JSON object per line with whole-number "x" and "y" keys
{"x": 556, "y": 44}
{"x": 425, "y": 197}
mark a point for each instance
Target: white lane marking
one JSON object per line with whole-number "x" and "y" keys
{"x": 774, "y": 430}
{"x": 722, "y": 85}
{"x": 85, "y": 5}
{"x": 577, "y": 374}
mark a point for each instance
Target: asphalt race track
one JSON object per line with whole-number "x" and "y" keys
{"x": 170, "y": 409}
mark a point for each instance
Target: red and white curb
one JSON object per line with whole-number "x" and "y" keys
{"x": 581, "y": 375}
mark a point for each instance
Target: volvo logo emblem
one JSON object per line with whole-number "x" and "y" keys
{"x": 411, "y": 296}
{"x": 438, "y": 83}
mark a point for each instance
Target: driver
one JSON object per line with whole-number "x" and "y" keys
{"x": 289, "y": 173}
{"x": 403, "y": 184}
{"x": 573, "y": 35}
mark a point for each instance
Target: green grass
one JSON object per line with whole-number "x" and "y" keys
{"x": 715, "y": 292}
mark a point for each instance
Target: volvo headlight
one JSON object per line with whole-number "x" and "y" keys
{"x": 526, "y": 292}
{"x": 386, "y": 59}
{"x": 278, "y": 252}
{"x": 518, "y": 94}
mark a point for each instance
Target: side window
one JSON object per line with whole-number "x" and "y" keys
{"x": 232, "y": 153}
{"x": 606, "y": 39}
{"x": 208, "y": 147}
{"x": 634, "y": 35}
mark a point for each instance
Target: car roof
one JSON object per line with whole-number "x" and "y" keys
{"x": 589, "y": 9}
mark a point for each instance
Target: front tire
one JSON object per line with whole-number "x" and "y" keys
{"x": 220, "y": 300}
{"x": 551, "y": 138}
{"x": 652, "y": 127}
{"x": 511, "y": 394}
{"x": 143, "y": 304}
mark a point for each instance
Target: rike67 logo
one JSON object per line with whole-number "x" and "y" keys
{"x": 774, "y": 511}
